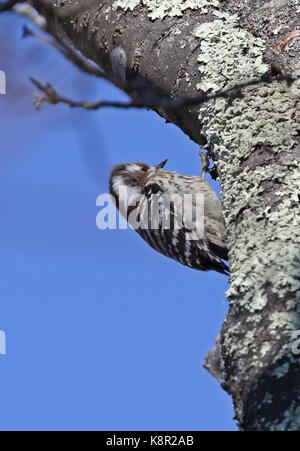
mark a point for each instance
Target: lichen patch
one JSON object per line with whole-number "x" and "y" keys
{"x": 158, "y": 9}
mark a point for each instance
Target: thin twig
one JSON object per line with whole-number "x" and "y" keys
{"x": 52, "y": 96}
{"x": 83, "y": 64}
{"x": 62, "y": 45}
{"x": 24, "y": 9}
{"x": 58, "y": 42}
{"x": 71, "y": 54}
{"x": 44, "y": 38}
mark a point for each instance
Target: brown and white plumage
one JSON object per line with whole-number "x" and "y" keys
{"x": 146, "y": 184}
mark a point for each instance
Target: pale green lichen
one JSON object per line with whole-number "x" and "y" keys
{"x": 266, "y": 114}
{"x": 230, "y": 55}
{"x": 265, "y": 348}
{"x": 227, "y": 54}
{"x": 272, "y": 232}
{"x": 280, "y": 319}
{"x": 158, "y": 9}
{"x": 264, "y": 240}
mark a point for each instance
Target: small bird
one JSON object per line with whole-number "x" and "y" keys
{"x": 161, "y": 206}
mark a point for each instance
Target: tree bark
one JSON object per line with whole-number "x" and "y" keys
{"x": 178, "y": 48}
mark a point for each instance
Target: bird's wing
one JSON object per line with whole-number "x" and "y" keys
{"x": 168, "y": 235}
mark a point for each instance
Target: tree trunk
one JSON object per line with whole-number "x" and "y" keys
{"x": 178, "y": 48}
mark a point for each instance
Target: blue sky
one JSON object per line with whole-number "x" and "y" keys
{"x": 103, "y": 333}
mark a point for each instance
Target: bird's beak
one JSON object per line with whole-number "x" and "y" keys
{"x": 161, "y": 165}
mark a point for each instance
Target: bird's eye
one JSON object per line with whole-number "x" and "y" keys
{"x": 144, "y": 169}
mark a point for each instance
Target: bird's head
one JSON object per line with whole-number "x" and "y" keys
{"x": 132, "y": 176}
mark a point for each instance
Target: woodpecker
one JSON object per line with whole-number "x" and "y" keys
{"x": 162, "y": 207}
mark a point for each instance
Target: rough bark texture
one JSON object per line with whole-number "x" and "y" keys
{"x": 175, "y": 48}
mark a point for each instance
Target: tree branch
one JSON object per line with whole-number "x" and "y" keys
{"x": 52, "y": 96}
